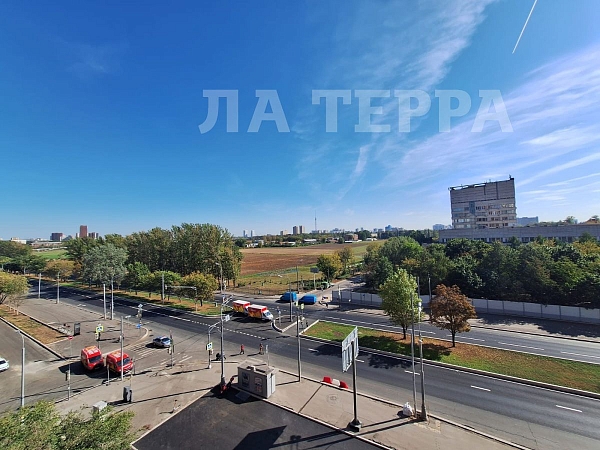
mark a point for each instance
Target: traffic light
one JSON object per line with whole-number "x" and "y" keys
{"x": 97, "y": 336}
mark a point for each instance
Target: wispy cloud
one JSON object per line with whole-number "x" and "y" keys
{"x": 391, "y": 45}
{"x": 554, "y": 115}
{"x": 87, "y": 59}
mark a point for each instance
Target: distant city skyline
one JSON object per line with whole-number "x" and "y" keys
{"x": 129, "y": 118}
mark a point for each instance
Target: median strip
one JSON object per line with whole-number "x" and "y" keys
{"x": 544, "y": 369}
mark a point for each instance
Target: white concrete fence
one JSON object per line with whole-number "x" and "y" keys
{"x": 484, "y": 306}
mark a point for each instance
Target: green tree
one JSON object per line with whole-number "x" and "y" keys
{"x": 62, "y": 267}
{"x": 398, "y": 249}
{"x": 12, "y": 286}
{"x": 4, "y": 260}
{"x": 451, "y": 310}
{"x": 329, "y": 265}
{"x": 77, "y": 248}
{"x": 205, "y": 285}
{"x": 346, "y": 256}
{"x": 12, "y": 249}
{"x": 137, "y": 275}
{"x": 27, "y": 264}
{"x": 400, "y": 299}
{"x": 383, "y": 270}
{"x": 104, "y": 263}
{"x": 40, "y": 426}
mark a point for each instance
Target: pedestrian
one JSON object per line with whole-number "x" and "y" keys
{"x": 260, "y": 349}
{"x": 242, "y": 349}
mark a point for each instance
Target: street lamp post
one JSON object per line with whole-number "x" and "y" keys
{"x": 423, "y": 409}
{"x": 221, "y": 280}
{"x": 39, "y": 285}
{"x": 412, "y": 352}
{"x": 112, "y": 299}
{"x": 22, "y": 370}
{"x": 298, "y": 310}
{"x": 290, "y": 290}
{"x": 58, "y": 288}
{"x": 104, "y": 298}
{"x": 223, "y": 303}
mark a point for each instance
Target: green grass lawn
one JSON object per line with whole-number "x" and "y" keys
{"x": 52, "y": 254}
{"x": 576, "y": 375}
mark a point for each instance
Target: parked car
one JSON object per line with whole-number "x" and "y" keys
{"x": 3, "y": 364}
{"x": 162, "y": 341}
{"x": 308, "y": 299}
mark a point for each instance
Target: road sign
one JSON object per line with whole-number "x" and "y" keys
{"x": 99, "y": 328}
{"x": 351, "y": 340}
{"x": 70, "y": 337}
{"x": 209, "y": 346}
{"x": 226, "y": 318}
{"x": 138, "y": 326}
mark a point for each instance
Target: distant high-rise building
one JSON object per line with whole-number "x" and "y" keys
{"x": 245, "y": 233}
{"x": 439, "y": 226}
{"x": 252, "y": 233}
{"x": 83, "y": 232}
{"x": 524, "y": 221}
{"x": 485, "y": 205}
{"x": 301, "y": 229}
{"x": 93, "y": 235}
{"x": 295, "y": 230}
{"x": 56, "y": 237}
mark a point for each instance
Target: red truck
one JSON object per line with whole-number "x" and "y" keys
{"x": 240, "y": 306}
{"x": 91, "y": 358}
{"x": 117, "y": 362}
{"x": 259, "y": 312}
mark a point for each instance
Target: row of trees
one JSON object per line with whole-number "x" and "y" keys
{"x": 184, "y": 249}
{"x": 544, "y": 271}
{"x": 337, "y": 263}
{"x": 449, "y": 309}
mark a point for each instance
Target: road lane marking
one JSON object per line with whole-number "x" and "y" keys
{"x": 480, "y": 388}
{"x": 464, "y": 337}
{"x": 579, "y": 354}
{"x": 313, "y": 350}
{"x": 570, "y": 409}
{"x": 410, "y": 371}
{"x": 371, "y": 324}
{"x": 522, "y": 346}
{"x": 359, "y": 360}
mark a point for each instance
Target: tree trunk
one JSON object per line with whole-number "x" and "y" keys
{"x": 404, "y": 331}
{"x": 454, "y": 339}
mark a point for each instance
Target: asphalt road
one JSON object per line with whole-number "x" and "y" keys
{"x": 518, "y": 412}
{"x": 44, "y": 372}
{"x": 230, "y": 423}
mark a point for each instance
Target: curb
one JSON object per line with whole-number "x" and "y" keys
{"x": 32, "y": 338}
{"x": 552, "y": 387}
{"x": 391, "y": 403}
{"x": 485, "y": 327}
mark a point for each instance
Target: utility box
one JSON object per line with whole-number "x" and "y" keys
{"x": 76, "y": 328}
{"x": 99, "y": 406}
{"x": 257, "y": 378}
{"x": 127, "y": 394}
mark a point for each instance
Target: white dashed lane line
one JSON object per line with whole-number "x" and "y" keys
{"x": 480, "y": 388}
{"x": 579, "y": 354}
{"x": 570, "y": 409}
{"x": 464, "y": 337}
{"x": 522, "y": 346}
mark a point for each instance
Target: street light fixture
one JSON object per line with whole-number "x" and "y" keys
{"x": 221, "y": 279}
{"x": 423, "y": 409}
{"x": 299, "y": 308}
{"x": 22, "y": 370}
{"x": 223, "y": 303}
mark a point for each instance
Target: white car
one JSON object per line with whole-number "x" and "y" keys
{"x": 3, "y": 364}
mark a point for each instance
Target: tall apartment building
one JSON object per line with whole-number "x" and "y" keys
{"x": 295, "y": 230}
{"x": 252, "y": 233}
{"x": 83, "y": 232}
{"x": 245, "y": 234}
{"x": 301, "y": 229}
{"x": 485, "y": 205}
{"x": 56, "y": 237}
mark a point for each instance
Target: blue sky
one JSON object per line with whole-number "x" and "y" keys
{"x": 101, "y": 107}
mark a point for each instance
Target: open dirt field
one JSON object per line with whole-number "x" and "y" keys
{"x": 258, "y": 260}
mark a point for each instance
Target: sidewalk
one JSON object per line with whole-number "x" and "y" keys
{"x": 158, "y": 393}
